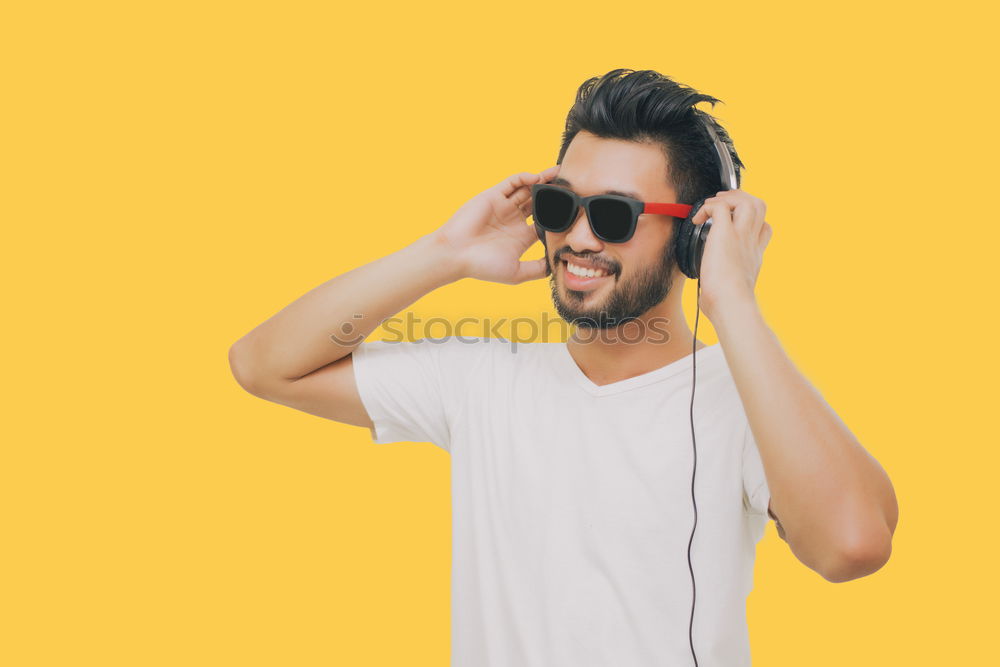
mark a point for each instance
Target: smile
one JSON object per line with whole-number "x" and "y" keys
{"x": 583, "y": 278}
{"x": 583, "y": 271}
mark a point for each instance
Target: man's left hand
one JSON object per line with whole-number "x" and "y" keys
{"x": 734, "y": 249}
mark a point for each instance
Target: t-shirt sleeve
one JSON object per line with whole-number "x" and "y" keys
{"x": 410, "y": 390}
{"x": 756, "y": 494}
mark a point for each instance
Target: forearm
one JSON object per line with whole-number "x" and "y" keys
{"x": 329, "y": 321}
{"x": 834, "y": 500}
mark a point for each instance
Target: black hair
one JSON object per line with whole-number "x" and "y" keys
{"x": 647, "y": 106}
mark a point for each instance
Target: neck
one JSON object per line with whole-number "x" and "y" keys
{"x": 657, "y": 338}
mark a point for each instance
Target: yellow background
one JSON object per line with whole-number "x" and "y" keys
{"x": 176, "y": 172}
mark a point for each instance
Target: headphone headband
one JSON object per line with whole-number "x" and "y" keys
{"x": 727, "y": 170}
{"x": 690, "y": 238}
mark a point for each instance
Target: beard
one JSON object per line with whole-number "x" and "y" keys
{"x": 628, "y": 299}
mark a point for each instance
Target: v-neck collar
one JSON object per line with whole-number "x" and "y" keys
{"x": 565, "y": 359}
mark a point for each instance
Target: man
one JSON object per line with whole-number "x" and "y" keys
{"x": 572, "y": 463}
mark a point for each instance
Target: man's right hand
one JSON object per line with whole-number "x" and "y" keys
{"x": 488, "y": 234}
{"x": 299, "y": 358}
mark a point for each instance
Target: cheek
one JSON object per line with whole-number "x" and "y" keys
{"x": 647, "y": 247}
{"x": 643, "y": 252}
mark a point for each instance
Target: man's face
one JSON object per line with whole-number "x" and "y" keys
{"x": 639, "y": 272}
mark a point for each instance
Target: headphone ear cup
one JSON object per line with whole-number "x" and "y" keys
{"x": 698, "y": 240}
{"x": 688, "y": 236}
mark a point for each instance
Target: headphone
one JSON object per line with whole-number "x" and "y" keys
{"x": 689, "y": 245}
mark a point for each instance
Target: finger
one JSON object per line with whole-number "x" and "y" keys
{"x": 517, "y": 188}
{"x": 745, "y": 218}
{"x": 766, "y": 232}
{"x": 522, "y": 196}
{"x": 522, "y": 200}
{"x": 532, "y": 269}
{"x": 524, "y": 211}
{"x": 761, "y": 209}
{"x": 510, "y": 186}
{"x": 717, "y": 210}
{"x": 548, "y": 174}
{"x": 735, "y": 199}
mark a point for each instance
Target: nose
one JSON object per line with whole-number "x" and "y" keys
{"x": 580, "y": 236}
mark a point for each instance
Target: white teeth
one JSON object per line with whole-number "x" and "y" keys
{"x": 584, "y": 272}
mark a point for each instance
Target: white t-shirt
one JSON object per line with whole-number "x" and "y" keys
{"x": 571, "y": 502}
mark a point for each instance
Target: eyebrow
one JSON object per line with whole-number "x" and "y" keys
{"x": 563, "y": 181}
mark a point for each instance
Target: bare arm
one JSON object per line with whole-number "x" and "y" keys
{"x": 301, "y": 356}
{"x": 836, "y": 503}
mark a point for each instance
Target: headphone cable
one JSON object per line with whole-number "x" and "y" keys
{"x": 694, "y": 449}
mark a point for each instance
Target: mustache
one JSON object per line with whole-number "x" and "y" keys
{"x": 609, "y": 266}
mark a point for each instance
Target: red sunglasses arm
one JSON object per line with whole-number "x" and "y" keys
{"x": 676, "y": 210}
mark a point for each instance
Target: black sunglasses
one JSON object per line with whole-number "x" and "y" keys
{"x": 613, "y": 218}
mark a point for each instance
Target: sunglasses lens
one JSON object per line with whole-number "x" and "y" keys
{"x": 553, "y": 209}
{"x": 611, "y": 219}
